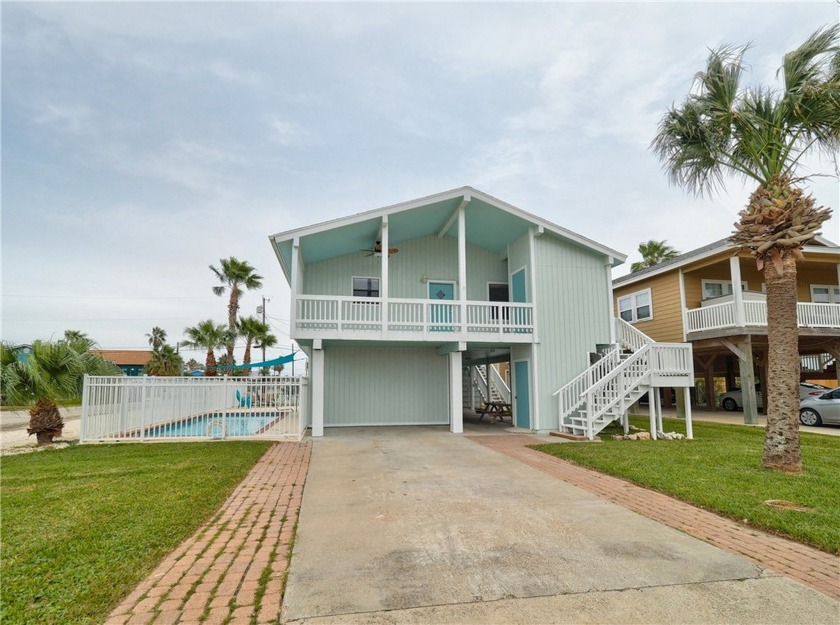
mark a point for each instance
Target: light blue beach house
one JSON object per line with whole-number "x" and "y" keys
{"x": 402, "y": 309}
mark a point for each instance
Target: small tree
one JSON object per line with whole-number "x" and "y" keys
{"x": 653, "y": 253}
{"x": 209, "y": 336}
{"x": 53, "y": 372}
{"x": 165, "y": 361}
{"x": 157, "y": 338}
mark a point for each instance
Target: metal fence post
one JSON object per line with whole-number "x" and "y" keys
{"x": 143, "y": 408}
{"x": 225, "y": 401}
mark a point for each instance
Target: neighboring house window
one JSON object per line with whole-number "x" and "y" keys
{"x": 365, "y": 287}
{"x": 825, "y": 294}
{"x": 718, "y": 288}
{"x": 635, "y": 307}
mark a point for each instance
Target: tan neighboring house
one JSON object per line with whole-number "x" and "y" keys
{"x": 131, "y": 361}
{"x": 690, "y": 298}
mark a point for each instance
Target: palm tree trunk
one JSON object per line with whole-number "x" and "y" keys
{"x": 781, "y": 438}
{"x": 233, "y": 308}
{"x": 246, "y": 359}
{"x": 210, "y": 364}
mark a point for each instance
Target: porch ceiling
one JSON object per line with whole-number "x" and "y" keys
{"x": 487, "y": 227}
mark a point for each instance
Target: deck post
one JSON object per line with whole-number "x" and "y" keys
{"x": 316, "y": 379}
{"x": 689, "y": 431}
{"x": 456, "y": 394}
{"x": 737, "y": 294}
{"x": 653, "y": 396}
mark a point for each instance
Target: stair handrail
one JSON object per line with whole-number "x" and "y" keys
{"x": 482, "y": 387}
{"x": 637, "y": 365}
{"x": 629, "y": 336}
{"x": 497, "y": 381}
{"x": 573, "y": 394}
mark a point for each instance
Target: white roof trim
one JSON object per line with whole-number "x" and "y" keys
{"x": 448, "y": 195}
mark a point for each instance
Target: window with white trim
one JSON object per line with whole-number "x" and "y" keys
{"x": 719, "y": 288}
{"x": 636, "y": 306}
{"x": 365, "y": 287}
{"x": 825, "y": 294}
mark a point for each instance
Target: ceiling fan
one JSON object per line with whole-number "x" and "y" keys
{"x": 376, "y": 250}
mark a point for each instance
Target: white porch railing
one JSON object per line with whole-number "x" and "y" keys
{"x": 412, "y": 319}
{"x": 155, "y": 408}
{"x": 719, "y": 316}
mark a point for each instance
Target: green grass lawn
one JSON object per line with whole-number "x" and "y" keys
{"x": 720, "y": 470}
{"x": 82, "y": 526}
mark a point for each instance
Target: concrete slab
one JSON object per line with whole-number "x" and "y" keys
{"x": 400, "y": 519}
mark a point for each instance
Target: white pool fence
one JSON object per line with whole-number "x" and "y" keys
{"x": 123, "y": 408}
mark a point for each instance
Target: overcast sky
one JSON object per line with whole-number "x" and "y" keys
{"x": 142, "y": 142}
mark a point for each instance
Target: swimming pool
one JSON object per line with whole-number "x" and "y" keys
{"x": 217, "y": 425}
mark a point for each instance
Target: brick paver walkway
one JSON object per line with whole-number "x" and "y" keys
{"x": 816, "y": 568}
{"x": 232, "y": 570}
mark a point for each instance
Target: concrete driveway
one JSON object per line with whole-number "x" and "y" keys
{"x": 416, "y": 525}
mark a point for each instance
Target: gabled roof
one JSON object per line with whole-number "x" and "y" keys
{"x": 712, "y": 249}
{"x": 490, "y": 223}
{"x": 124, "y": 356}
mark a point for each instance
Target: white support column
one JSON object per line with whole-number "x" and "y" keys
{"x": 737, "y": 294}
{"x": 294, "y": 284}
{"x": 317, "y": 381}
{"x": 456, "y": 394}
{"x": 462, "y": 266}
{"x": 689, "y": 431}
{"x": 384, "y": 280}
{"x": 653, "y": 392}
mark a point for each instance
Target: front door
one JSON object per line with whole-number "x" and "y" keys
{"x": 441, "y": 313}
{"x": 519, "y": 293}
{"x": 522, "y": 394}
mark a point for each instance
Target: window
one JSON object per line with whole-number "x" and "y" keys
{"x": 635, "y": 307}
{"x": 825, "y": 294}
{"x": 718, "y": 288}
{"x": 498, "y": 293}
{"x": 365, "y": 287}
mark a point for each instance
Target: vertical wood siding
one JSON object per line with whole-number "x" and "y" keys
{"x": 382, "y": 386}
{"x": 427, "y": 257}
{"x": 574, "y": 315}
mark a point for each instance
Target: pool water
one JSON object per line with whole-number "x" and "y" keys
{"x": 215, "y": 425}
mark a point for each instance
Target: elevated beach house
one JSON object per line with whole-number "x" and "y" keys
{"x": 402, "y": 309}
{"x": 714, "y": 298}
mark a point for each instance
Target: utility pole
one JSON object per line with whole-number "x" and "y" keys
{"x": 263, "y": 320}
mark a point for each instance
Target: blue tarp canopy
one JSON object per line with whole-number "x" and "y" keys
{"x": 268, "y": 363}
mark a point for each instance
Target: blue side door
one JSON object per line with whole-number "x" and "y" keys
{"x": 522, "y": 394}
{"x": 441, "y": 313}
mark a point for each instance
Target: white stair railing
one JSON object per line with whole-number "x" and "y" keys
{"x": 498, "y": 383}
{"x": 572, "y": 395}
{"x": 629, "y": 337}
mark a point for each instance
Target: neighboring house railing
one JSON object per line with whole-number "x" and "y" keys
{"x": 719, "y": 316}
{"x": 411, "y": 318}
{"x": 166, "y": 408}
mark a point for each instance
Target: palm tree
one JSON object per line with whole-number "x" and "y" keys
{"x": 234, "y": 276}
{"x": 157, "y": 338}
{"x": 165, "y": 361}
{"x": 210, "y": 336}
{"x": 760, "y": 135}
{"x": 255, "y": 331}
{"x": 653, "y": 253}
{"x": 53, "y": 372}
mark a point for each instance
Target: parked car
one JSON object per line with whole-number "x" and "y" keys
{"x": 733, "y": 400}
{"x": 822, "y": 409}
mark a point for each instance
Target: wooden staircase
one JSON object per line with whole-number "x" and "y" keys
{"x": 622, "y": 373}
